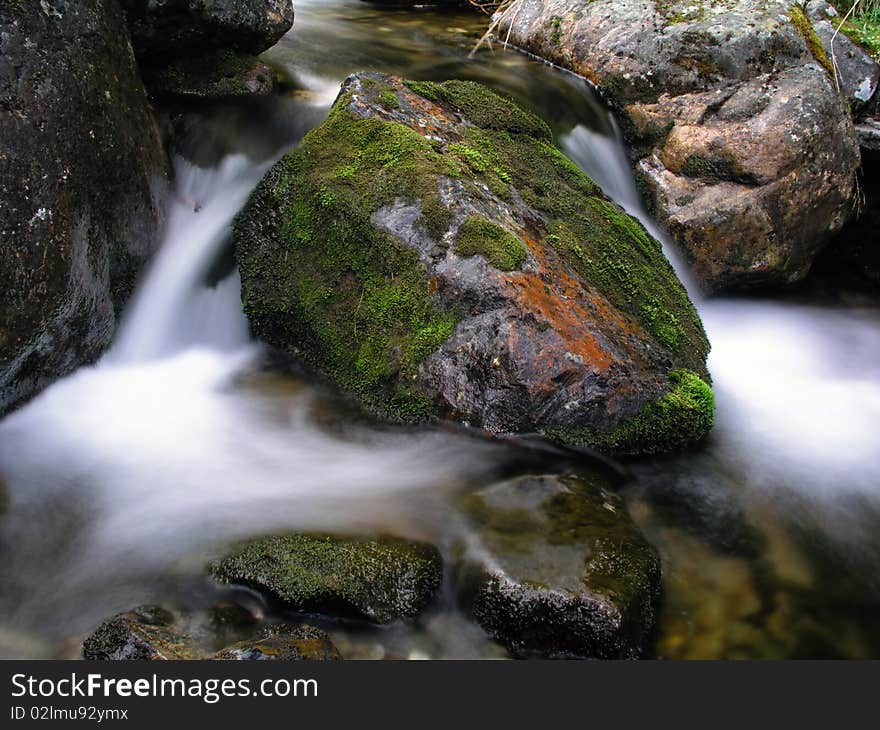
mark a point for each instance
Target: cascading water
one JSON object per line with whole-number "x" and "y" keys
{"x": 171, "y": 443}
{"x": 797, "y": 387}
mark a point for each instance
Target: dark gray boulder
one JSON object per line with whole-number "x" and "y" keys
{"x": 174, "y": 28}
{"x": 81, "y": 180}
{"x": 555, "y": 566}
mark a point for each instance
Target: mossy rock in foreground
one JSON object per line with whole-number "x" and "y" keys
{"x": 380, "y": 580}
{"x": 430, "y": 250}
{"x": 556, "y": 567}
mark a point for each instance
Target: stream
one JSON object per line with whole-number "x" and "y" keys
{"x": 123, "y": 477}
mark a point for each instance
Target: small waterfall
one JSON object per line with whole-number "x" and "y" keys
{"x": 173, "y": 309}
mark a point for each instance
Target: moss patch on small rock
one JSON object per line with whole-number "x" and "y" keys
{"x": 380, "y": 580}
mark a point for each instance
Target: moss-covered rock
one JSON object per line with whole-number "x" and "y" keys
{"x": 380, "y": 580}
{"x": 81, "y": 183}
{"x": 432, "y": 251}
{"x": 556, "y": 567}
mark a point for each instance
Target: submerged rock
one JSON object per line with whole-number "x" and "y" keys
{"x": 432, "y": 251}
{"x": 169, "y": 28}
{"x": 380, "y": 580}
{"x": 147, "y": 632}
{"x": 557, "y": 567}
{"x": 81, "y": 180}
{"x": 153, "y": 633}
{"x": 744, "y": 146}
{"x": 283, "y": 644}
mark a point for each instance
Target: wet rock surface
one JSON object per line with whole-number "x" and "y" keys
{"x": 81, "y": 182}
{"x": 153, "y": 633}
{"x": 556, "y": 567}
{"x": 298, "y": 643}
{"x": 145, "y": 633}
{"x": 379, "y": 580}
{"x": 687, "y": 81}
{"x": 431, "y": 251}
{"x": 190, "y": 50}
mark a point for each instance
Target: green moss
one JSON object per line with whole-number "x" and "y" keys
{"x": 681, "y": 417}
{"x": 427, "y": 89}
{"x": 380, "y": 579}
{"x": 484, "y": 107}
{"x": 389, "y": 99}
{"x": 353, "y": 296}
{"x": 500, "y": 247}
{"x": 808, "y": 33}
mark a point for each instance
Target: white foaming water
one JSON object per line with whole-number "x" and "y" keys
{"x": 797, "y": 387}
{"x": 170, "y": 310}
{"x": 160, "y": 450}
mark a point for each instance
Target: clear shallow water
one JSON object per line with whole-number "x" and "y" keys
{"x": 123, "y": 477}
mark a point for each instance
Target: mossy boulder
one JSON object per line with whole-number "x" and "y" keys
{"x": 556, "y": 567}
{"x": 745, "y": 146}
{"x": 82, "y": 176}
{"x": 430, "y": 250}
{"x": 379, "y": 580}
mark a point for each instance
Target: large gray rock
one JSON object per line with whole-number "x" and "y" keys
{"x": 688, "y": 79}
{"x": 187, "y": 27}
{"x": 81, "y": 170}
{"x": 432, "y": 251}
{"x": 555, "y": 566}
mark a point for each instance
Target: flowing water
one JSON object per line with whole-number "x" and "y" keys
{"x": 123, "y": 477}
